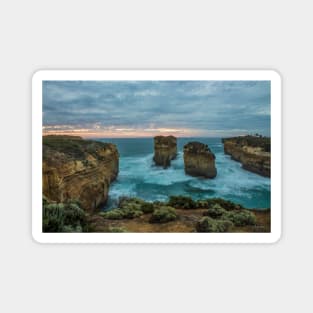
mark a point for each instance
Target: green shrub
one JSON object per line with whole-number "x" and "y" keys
{"x": 72, "y": 229}
{"x": 131, "y": 213}
{"x": 73, "y": 201}
{"x": 116, "y": 229}
{"x": 215, "y": 211}
{"x": 115, "y": 214}
{"x": 241, "y": 218}
{"x": 129, "y": 208}
{"x": 130, "y": 202}
{"x": 201, "y": 204}
{"x": 163, "y": 214}
{"x": 182, "y": 202}
{"x": 136, "y": 204}
{"x": 147, "y": 207}
{"x": 118, "y": 214}
{"x": 74, "y": 215}
{"x": 63, "y": 217}
{"x": 209, "y": 225}
{"x": 225, "y": 204}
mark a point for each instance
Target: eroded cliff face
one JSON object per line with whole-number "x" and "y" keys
{"x": 199, "y": 160}
{"x": 252, "y": 152}
{"x": 74, "y": 168}
{"x": 165, "y": 150}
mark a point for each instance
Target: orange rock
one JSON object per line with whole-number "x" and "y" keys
{"x": 199, "y": 160}
{"x": 165, "y": 150}
{"x": 74, "y": 168}
{"x": 252, "y": 152}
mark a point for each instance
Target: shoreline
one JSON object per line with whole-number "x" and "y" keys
{"x": 77, "y": 175}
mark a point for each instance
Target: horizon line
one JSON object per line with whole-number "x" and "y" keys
{"x": 143, "y": 137}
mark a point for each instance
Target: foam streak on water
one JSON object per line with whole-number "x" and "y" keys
{"x": 139, "y": 177}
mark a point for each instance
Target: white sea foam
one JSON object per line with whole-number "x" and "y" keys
{"x": 139, "y": 177}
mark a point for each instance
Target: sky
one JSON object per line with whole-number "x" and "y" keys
{"x": 148, "y": 108}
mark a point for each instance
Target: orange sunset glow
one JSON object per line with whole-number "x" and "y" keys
{"x": 121, "y": 132}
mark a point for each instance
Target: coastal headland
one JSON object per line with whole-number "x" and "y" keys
{"x": 253, "y": 152}
{"x": 77, "y": 174}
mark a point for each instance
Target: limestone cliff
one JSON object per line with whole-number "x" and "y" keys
{"x": 74, "y": 168}
{"x": 199, "y": 160}
{"x": 165, "y": 150}
{"x": 253, "y": 152}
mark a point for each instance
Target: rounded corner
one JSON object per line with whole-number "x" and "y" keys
{"x": 37, "y": 75}
{"x": 36, "y": 237}
{"x": 276, "y": 238}
{"x": 276, "y": 75}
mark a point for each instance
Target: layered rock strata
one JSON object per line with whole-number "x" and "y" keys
{"x": 74, "y": 168}
{"x": 253, "y": 152}
{"x": 199, "y": 160}
{"x": 165, "y": 150}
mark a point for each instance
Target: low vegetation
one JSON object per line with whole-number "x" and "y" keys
{"x": 163, "y": 214}
{"x": 253, "y": 141}
{"x": 215, "y": 211}
{"x": 123, "y": 213}
{"x": 212, "y": 215}
{"x": 225, "y": 204}
{"x": 241, "y": 218}
{"x": 117, "y": 229}
{"x": 73, "y": 146}
{"x": 128, "y": 208}
{"x": 210, "y": 225}
{"x": 63, "y": 217}
{"x": 182, "y": 202}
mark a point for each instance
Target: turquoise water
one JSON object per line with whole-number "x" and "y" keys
{"x": 139, "y": 177}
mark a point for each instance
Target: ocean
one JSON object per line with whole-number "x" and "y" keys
{"x": 139, "y": 177}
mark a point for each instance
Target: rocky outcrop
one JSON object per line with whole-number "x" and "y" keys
{"x": 165, "y": 150}
{"x": 74, "y": 168}
{"x": 199, "y": 160}
{"x": 253, "y": 152}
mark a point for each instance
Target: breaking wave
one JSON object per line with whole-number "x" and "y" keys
{"x": 139, "y": 177}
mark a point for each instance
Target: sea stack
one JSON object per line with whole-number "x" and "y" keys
{"x": 74, "y": 168}
{"x": 253, "y": 152}
{"x": 165, "y": 150}
{"x": 199, "y": 160}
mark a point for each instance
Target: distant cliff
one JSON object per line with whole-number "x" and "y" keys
{"x": 165, "y": 150}
{"x": 74, "y": 168}
{"x": 253, "y": 152}
{"x": 199, "y": 160}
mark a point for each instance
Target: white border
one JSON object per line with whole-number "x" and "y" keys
{"x": 271, "y": 75}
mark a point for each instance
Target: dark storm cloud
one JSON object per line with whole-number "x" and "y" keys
{"x": 204, "y": 106}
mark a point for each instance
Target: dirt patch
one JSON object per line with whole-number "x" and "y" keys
{"x": 185, "y": 223}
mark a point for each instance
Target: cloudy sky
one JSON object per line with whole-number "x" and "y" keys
{"x": 149, "y": 108}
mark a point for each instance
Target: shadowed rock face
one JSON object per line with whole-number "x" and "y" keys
{"x": 199, "y": 160}
{"x": 165, "y": 150}
{"x": 74, "y": 168}
{"x": 253, "y": 152}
